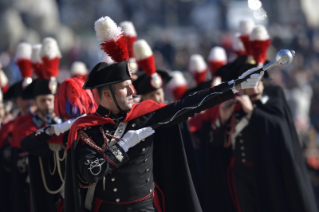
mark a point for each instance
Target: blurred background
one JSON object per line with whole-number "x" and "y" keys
{"x": 175, "y": 29}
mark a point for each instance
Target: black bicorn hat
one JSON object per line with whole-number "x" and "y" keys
{"x": 40, "y": 87}
{"x": 143, "y": 83}
{"x": 103, "y": 74}
{"x": 14, "y": 91}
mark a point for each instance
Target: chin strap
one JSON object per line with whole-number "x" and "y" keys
{"x": 113, "y": 95}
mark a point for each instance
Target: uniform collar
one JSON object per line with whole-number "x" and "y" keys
{"x": 102, "y": 111}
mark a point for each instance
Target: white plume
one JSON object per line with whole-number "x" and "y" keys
{"x": 78, "y": 68}
{"x": 217, "y": 54}
{"x": 246, "y": 26}
{"x": 35, "y": 56}
{"x": 4, "y": 79}
{"x": 197, "y": 63}
{"x": 50, "y": 49}
{"x": 142, "y": 50}
{"x": 237, "y": 44}
{"x": 177, "y": 80}
{"x": 128, "y": 28}
{"x": 107, "y": 30}
{"x": 259, "y": 33}
{"x": 24, "y": 51}
{"x": 106, "y": 58}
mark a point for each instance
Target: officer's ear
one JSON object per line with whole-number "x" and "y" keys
{"x": 107, "y": 94}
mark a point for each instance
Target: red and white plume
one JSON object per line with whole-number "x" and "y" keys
{"x": 177, "y": 85}
{"x": 131, "y": 37}
{"x": 23, "y": 60}
{"x": 145, "y": 59}
{"x": 245, "y": 28}
{"x": 36, "y": 61}
{"x": 112, "y": 39}
{"x": 4, "y": 82}
{"x": 238, "y": 46}
{"x": 216, "y": 59}
{"x": 50, "y": 55}
{"x": 78, "y": 69}
{"x": 198, "y": 68}
{"x": 259, "y": 43}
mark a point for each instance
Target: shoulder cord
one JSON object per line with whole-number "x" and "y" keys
{"x": 57, "y": 160}
{"x": 86, "y": 139}
{"x": 44, "y": 181}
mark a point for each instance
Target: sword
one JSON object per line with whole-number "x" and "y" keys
{"x": 284, "y": 57}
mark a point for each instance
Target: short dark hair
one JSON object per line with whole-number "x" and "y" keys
{"x": 101, "y": 89}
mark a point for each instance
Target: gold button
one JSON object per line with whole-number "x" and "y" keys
{"x": 117, "y": 200}
{"x": 133, "y": 125}
{"x": 143, "y": 150}
{"x": 145, "y": 160}
{"x": 115, "y": 189}
{"x": 146, "y": 170}
{"x": 113, "y": 179}
{"x": 105, "y": 116}
{"x": 241, "y": 141}
{"x": 243, "y": 154}
{"x": 143, "y": 139}
{"x": 147, "y": 180}
{"x": 242, "y": 148}
{"x": 243, "y": 160}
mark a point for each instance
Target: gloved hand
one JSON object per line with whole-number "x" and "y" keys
{"x": 133, "y": 137}
{"x": 253, "y": 80}
{"x": 65, "y": 126}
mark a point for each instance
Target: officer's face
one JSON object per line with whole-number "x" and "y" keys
{"x": 45, "y": 103}
{"x": 23, "y": 104}
{"x": 256, "y": 92}
{"x": 124, "y": 94}
{"x": 157, "y": 95}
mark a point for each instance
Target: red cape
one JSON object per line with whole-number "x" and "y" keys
{"x": 27, "y": 127}
{"x": 8, "y": 128}
{"x": 138, "y": 109}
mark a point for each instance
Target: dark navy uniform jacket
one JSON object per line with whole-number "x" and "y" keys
{"x": 122, "y": 176}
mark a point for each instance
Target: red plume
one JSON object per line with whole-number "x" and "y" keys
{"x": 259, "y": 50}
{"x": 117, "y": 50}
{"x": 25, "y": 67}
{"x": 51, "y": 67}
{"x": 179, "y": 91}
{"x": 130, "y": 41}
{"x": 38, "y": 70}
{"x": 246, "y": 42}
{"x": 72, "y": 101}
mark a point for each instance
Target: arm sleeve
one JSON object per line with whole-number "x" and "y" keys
{"x": 36, "y": 143}
{"x": 194, "y": 99}
{"x": 93, "y": 166}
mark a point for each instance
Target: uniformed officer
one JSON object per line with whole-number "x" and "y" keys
{"x": 113, "y": 172}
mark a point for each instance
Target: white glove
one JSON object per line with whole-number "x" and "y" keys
{"x": 65, "y": 126}
{"x": 133, "y": 137}
{"x": 253, "y": 80}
